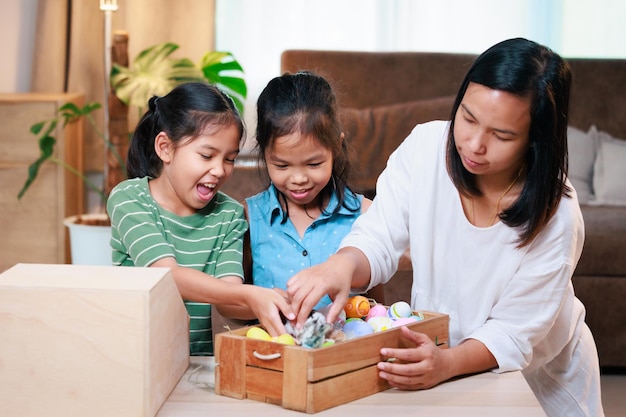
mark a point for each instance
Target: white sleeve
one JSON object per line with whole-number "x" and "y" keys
{"x": 537, "y": 316}
{"x": 382, "y": 233}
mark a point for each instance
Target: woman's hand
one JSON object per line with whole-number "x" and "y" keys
{"x": 333, "y": 277}
{"x": 419, "y": 367}
{"x": 427, "y": 365}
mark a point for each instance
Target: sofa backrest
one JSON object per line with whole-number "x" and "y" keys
{"x": 384, "y": 94}
{"x": 371, "y": 79}
{"x": 599, "y": 95}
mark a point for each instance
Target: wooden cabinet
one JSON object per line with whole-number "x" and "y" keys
{"x": 31, "y": 229}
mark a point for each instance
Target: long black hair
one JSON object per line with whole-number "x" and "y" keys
{"x": 527, "y": 69}
{"x": 304, "y": 102}
{"x": 186, "y": 111}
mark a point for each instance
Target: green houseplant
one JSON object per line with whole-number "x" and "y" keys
{"x": 153, "y": 72}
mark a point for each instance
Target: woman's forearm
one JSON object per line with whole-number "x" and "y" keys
{"x": 470, "y": 357}
{"x": 357, "y": 265}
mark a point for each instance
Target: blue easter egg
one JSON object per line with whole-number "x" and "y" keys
{"x": 357, "y": 328}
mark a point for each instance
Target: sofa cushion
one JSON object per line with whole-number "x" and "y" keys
{"x": 375, "y": 132}
{"x": 582, "y": 154}
{"x": 609, "y": 174}
{"x": 603, "y": 298}
{"x": 605, "y": 242}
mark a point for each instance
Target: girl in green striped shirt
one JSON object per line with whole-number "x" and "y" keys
{"x": 170, "y": 212}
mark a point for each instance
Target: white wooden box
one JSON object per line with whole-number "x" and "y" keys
{"x": 89, "y": 340}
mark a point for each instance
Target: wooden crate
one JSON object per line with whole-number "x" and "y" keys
{"x": 310, "y": 380}
{"x": 89, "y": 340}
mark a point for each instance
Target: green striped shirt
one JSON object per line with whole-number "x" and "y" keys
{"x": 210, "y": 240}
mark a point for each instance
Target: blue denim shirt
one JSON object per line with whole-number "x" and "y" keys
{"x": 278, "y": 252}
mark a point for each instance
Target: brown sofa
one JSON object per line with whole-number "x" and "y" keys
{"x": 384, "y": 94}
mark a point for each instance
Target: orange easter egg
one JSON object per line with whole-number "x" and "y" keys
{"x": 357, "y": 307}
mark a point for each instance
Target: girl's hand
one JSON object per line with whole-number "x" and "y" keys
{"x": 266, "y": 304}
{"x": 420, "y": 367}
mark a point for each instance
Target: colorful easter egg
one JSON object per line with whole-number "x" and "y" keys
{"x": 258, "y": 333}
{"x": 419, "y": 316}
{"x": 357, "y": 328}
{"x": 377, "y": 311}
{"x": 399, "y": 309}
{"x": 357, "y": 307}
{"x": 341, "y": 317}
{"x": 285, "y": 339}
{"x": 403, "y": 321}
{"x": 380, "y": 323}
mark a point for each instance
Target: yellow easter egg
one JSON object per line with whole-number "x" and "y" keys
{"x": 258, "y": 333}
{"x": 285, "y": 339}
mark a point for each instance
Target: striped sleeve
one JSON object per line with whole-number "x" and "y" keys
{"x": 230, "y": 257}
{"x": 137, "y": 230}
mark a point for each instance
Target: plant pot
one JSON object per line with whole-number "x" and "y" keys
{"x": 90, "y": 236}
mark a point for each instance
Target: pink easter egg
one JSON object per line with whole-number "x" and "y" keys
{"x": 377, "y": 311}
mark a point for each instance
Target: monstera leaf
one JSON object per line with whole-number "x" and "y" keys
{"x": 222, "y": 70}
{"x": 153, "y": 72}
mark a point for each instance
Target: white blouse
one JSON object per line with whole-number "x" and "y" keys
{"x": 520, "y": 303}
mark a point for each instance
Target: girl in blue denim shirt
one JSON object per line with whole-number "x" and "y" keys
{"x": 300, "y": 219}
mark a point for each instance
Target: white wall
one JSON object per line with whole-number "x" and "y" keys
{"x": 256, "y": 32}
{"x": 17, "y": 31}
{"x": 594, "y": 28}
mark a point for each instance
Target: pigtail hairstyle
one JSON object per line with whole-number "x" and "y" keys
{"x": 187, "y": 111}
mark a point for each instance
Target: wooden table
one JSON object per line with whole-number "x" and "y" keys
{"x": 483, "y": 395}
